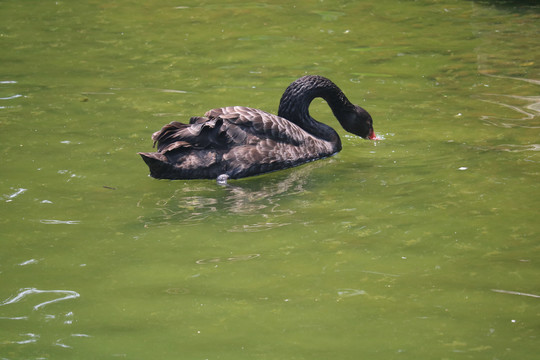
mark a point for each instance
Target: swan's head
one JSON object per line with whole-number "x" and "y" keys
{"x": 359, "y": 122}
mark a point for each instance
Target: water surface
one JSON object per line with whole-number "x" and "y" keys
{"x": 422, "y": 245}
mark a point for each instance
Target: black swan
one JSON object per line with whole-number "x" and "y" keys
{"x": 236, "y": 141}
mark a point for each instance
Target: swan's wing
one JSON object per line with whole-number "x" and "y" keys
{"x": 201, "y": 134}
{"x": 223, "y": 127}
{"x": 259, "y": 123}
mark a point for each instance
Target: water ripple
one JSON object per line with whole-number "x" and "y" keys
{"x": 10, "y": 197}
{"x": 32, "y": 338}
{"x": 58, "y": 222}
{"x": 516, "y": 293}
{"x": 69, "y": 294}
{"x": 11, "y": 97}
{"x": 231, "y": 258}
{"x": 263, "y": 226}
{"x": 28, "y": 262}
{"x": 527, "y": 108}
{"x": 14, "y": 318}
{"x": 517, "y": 148}
{"x": 350, "y": 292}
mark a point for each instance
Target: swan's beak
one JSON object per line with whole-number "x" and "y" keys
{"x": 372, "y": 135}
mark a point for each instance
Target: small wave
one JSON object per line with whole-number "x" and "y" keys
{"x": 58, "y": 222}
{"x": 32, "y": 338}
{"x": 11, "y": 97}
{"x": 80, "y": 335}
{"x": 257, "y": 227}
{"x": 517, "y": 148}
{"x": 173, "y": 91}
{"x": 10, "y": 197}
{"x": 350, "y": 292}
{"x": 28, "y": 262}
{"x": 231, "y": 258}
{"x": 69, "y": 294}
{"x": 525, "y": 108}
{"x": 516, "y": 293}
{"x": 14, "y": 318}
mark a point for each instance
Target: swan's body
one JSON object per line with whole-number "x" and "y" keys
{"x": 238, "y": 141}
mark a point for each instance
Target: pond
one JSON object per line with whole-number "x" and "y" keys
{"x": 421, "y": 245}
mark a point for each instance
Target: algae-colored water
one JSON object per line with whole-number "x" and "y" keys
{"x": 424, "y": 245}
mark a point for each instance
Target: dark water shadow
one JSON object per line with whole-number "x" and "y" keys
{"x": 517, "y": 6}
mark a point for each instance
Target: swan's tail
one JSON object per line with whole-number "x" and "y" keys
{"x": 157, "y": 163}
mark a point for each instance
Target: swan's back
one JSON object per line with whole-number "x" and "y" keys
{"x": 237, "y": 141}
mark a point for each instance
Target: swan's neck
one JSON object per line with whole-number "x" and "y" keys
{"x": 294, "y": 106}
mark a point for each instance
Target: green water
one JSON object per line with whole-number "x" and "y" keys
{"x": 424, "y": 245}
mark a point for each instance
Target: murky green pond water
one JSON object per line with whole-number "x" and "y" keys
{"x": 424, "y": 245}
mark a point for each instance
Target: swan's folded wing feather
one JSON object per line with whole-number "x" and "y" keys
{"x": 167, "y": 131}
{"x": 198, "y": 135}
{"x": 222, "y": 127}
{"x": 260, "y": 124}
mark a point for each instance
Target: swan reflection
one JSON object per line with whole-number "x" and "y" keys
{"x": 196, "y": 201}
